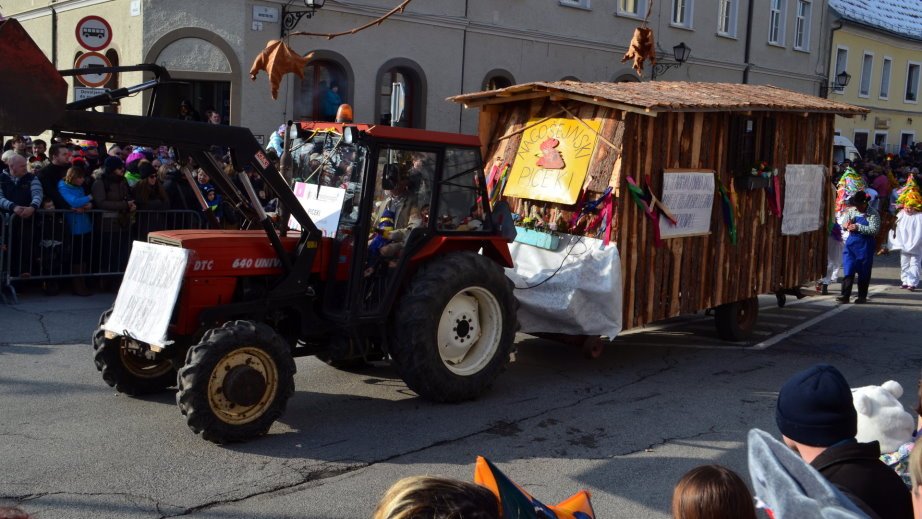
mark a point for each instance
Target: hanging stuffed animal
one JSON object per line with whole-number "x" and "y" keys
{"x": 277, "y": 59}
{"x": 642, "y": 48}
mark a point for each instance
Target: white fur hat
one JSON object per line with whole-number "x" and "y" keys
{"x": 881, "y": 416}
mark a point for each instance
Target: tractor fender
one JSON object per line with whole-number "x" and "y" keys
{"x": 494, "y": 247}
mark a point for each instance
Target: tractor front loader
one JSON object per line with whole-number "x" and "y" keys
{"x": 391, "y": 250}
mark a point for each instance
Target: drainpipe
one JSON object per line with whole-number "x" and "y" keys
{"x": 54, "y": 37}
{"x": 831, "y": 74}
{"x": 748, "y": 42}
{"x": 463, "y": 63}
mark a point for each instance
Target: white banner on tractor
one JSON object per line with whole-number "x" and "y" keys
{"x": 148, "y": 293}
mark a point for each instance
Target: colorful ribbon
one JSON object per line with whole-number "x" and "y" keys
{"x": 729, "y": 217}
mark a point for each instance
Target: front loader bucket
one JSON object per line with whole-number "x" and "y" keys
{"x": 32, "y": 93}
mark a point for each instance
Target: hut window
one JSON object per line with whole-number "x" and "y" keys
{"x": 752, "y": 140}
{"x": 726, "y": 17}
{"x": 682, "y": 13}
{"x": 776, "y": 22}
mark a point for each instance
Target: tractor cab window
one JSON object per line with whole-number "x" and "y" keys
{"x": 461, "y": 207}
{"x": 404, "y": 188}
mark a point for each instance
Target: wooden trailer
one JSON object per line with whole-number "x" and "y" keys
{"x": 641, "y": 133}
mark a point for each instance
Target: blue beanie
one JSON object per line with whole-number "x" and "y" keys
{"x": 815, "y": 407}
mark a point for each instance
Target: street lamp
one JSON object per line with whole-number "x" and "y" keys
{"x": 842, "y": 79}
{"x": 290, "y": 18}
{"x": 680, "y": 52}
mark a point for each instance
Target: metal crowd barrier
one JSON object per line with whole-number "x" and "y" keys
{"x": 58, "y": 244}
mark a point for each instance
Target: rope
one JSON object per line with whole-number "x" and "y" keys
{"x": 331, "y": 35}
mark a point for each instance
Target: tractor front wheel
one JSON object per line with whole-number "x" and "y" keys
{"x": 455, "y": 328}
{"x": 125, "y": 368}
{"x": 236, "y": 382}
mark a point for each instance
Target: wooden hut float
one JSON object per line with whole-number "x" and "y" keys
{"x": 646, "y": 130}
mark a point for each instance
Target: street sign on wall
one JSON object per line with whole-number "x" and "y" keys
{"x": 81, "y": 93}
{"x": 93, "y": 33}
{"x": 89, "y": 61}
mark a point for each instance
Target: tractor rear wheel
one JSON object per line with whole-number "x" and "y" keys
{"x": 454, "y": 328}
{"x": 124, "y": 368}
{"x": 736, "y": 321}
{"x": 236, "y": 382}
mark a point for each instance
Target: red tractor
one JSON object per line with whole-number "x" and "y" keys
{"x": 397, "y": 254}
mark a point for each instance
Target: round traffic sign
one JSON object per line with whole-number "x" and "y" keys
{"x": 91, "y": 60}
{"x": 93, "y": 33}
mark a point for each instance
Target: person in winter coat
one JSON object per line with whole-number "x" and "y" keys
{"x": 112, "y": 194}
{"x": 152, "y": 200}
{"x": 78, "y": 226}
{"x": 817, "y": 419}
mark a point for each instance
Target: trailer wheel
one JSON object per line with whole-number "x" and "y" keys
{"x": 236, "y": 382}
{"x": 126, "y": 371}
{"x": 454, "y": 328}
{"x": 736, "y": 321}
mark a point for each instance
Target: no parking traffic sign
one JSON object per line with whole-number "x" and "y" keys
{"x": 89, "y": 61}
{"x": 93, "y": 33}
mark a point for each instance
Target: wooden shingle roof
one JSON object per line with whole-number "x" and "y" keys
{"x": 650, "y": 97}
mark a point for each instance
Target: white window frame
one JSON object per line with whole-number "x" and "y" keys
{"x": 781, "y": 18}
{"x": 687, "y": 10}
{"x": 580, "y": 4}
{"x": 836, "y": 70}
{"x": 640, "y": 5}
{"x": 866, "y": 69}
{"x": 909, "y": 65}
{"x": 885, "y": 75}
{"x": 802, "y": 25}
{"x": 727, "y": 10}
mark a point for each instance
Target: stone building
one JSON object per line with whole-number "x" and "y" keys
{"x": 435, "y": 49}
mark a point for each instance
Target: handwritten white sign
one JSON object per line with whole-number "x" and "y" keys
{"x": 148, "y": 293}
{"x": 323, "y": 206}
{"x": 803, "y": 198}
{"x": 689, "y": 196}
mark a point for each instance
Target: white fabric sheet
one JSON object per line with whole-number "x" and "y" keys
{"x": 582, "y": 298}
{"x": 908, "y": 234}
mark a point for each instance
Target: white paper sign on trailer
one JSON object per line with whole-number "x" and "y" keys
{"x": 803, "y": 198}
{"x": 689, "y": 196}
{"x": 148, "y": 293}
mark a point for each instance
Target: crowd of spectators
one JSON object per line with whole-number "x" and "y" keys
{"x": 75, "y": 207}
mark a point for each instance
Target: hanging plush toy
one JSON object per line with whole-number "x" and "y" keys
{"x": 277, "y": 59}
{"x": 642, "y": 48}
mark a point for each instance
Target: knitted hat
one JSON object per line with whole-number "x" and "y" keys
{"x": 815, "y": 407}
{"x": 146, "y": 169}
{"x": 113, "y": 163}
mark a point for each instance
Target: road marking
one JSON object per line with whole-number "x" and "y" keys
{"x": 802, "y": 326}
{"x": 836, "y": 309}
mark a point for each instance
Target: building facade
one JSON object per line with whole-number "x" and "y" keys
{"x": 435, "y": 49}
{"x": 883, "y": 55}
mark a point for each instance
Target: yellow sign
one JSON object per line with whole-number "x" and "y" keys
{"x": 552, "y": 160}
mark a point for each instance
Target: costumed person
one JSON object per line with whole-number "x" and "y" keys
{"x": 882, "y": 418}
{"x": 834, "y": 248}
{"x": 849, "y": 183}
{"x": 908, "y": 234}
{"x": 862, "y": 223}
{"x": 277, "y": 140}
{"x": 385, "y": 245}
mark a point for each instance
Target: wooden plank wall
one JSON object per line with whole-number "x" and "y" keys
{"x": 693, "y": 273}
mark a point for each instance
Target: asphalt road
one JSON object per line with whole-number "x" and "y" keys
{"x": 659, "y": 402}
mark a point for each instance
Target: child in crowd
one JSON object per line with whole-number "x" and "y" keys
{"x": 712, "y": 492}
